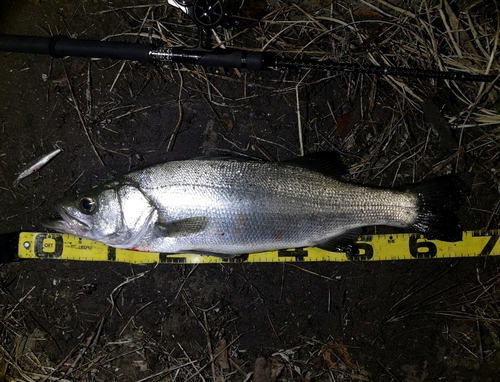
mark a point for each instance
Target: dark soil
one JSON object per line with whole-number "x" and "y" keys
{"x": 390, "y": 321}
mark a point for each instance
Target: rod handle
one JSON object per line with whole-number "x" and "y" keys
{"x": 224, "y": 58}
{"x": 60, "y": 46}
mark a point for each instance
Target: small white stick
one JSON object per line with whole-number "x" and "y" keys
{"x": 36, "y": 166}
{"x": 299, "y": 120}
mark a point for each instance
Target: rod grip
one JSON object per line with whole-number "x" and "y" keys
{"x": 224, "y": 58}
{"x": 60, "y": 46}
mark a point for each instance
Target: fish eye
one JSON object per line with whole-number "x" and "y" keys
{"x": 87, "y": 205}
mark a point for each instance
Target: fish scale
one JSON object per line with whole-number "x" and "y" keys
{"x": 252, "y": 206}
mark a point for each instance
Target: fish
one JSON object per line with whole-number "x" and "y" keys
{"x": 232, "y": 206}
{"x": 37, "y": 165}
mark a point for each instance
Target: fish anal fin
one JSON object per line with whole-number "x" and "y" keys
{"x": 224, "y": 256}
{"x": 344, "y": 243}
{"x": 183, "y": 227}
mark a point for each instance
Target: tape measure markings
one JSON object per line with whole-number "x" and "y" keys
{"x": 384, "y": 247}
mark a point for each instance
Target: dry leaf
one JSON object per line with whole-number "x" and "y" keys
{"x": 338, "y": 357}
{"x": 345, "y": 125}
{"x": 141, "y": 364}
{"x": 267, "y": 371}
{"x": 367, "y": 14}
{"x": 222, "y": 359}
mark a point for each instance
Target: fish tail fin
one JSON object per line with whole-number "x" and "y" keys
{"x": 439, "y": 198}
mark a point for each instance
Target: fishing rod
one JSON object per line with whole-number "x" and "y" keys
{"x": 209, "y": 14}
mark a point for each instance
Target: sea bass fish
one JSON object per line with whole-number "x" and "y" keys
{"x": 229, "y": 206}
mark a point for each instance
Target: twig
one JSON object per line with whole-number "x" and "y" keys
{"x": 494, "y": 212}
{"x": 88, "y": 92}
{"x": 299, "y": 119}
{"x": 181, "y": 112}
{"x": 84, "y": 349}
{"x": 80, "y": 117}
{"x": 127, "y": 281}
{"x": 133, "y": 316}
{"x": 133, "y": 111}
{"x": 184, "y": 281}
{"x": 12, "y": 362}
{"x": 209, "y": 345}
{"x": 192, "y": 363}
{"x": 311, "y": 272}
{"x": 124, "y": 62}
{"x": 6, "y": 318}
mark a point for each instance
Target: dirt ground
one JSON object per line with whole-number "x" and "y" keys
{"x": 421, "y": 320}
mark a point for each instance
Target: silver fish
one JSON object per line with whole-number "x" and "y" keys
{"x": 37, "y": 165}
{"x": 231, "y": 206}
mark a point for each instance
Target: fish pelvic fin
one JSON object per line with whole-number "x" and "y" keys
{"x": 344, "y": 243}
{"x": 438, "y": 199}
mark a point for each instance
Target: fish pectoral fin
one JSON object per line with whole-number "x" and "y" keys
{"x": 183, "y": 227}
{"x": 342, "y": 243}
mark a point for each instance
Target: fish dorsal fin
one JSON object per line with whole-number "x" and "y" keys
{"x": 183, "y": 227}
{"x": 229, "y": 158}
{"x": 342, "y": 243}
{"x": 326, "y": 162}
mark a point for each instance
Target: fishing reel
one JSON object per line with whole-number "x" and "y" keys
{"x": 208, "y": 13}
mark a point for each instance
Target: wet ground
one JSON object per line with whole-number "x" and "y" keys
{"x": 389, "y": 321}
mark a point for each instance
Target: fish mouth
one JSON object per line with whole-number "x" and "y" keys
{"x": 68, "y": 224}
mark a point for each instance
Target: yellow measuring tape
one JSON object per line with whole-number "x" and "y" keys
{"x": 34, "y": 245}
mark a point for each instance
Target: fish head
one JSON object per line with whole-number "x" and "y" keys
{"x": 116, "y": 214}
